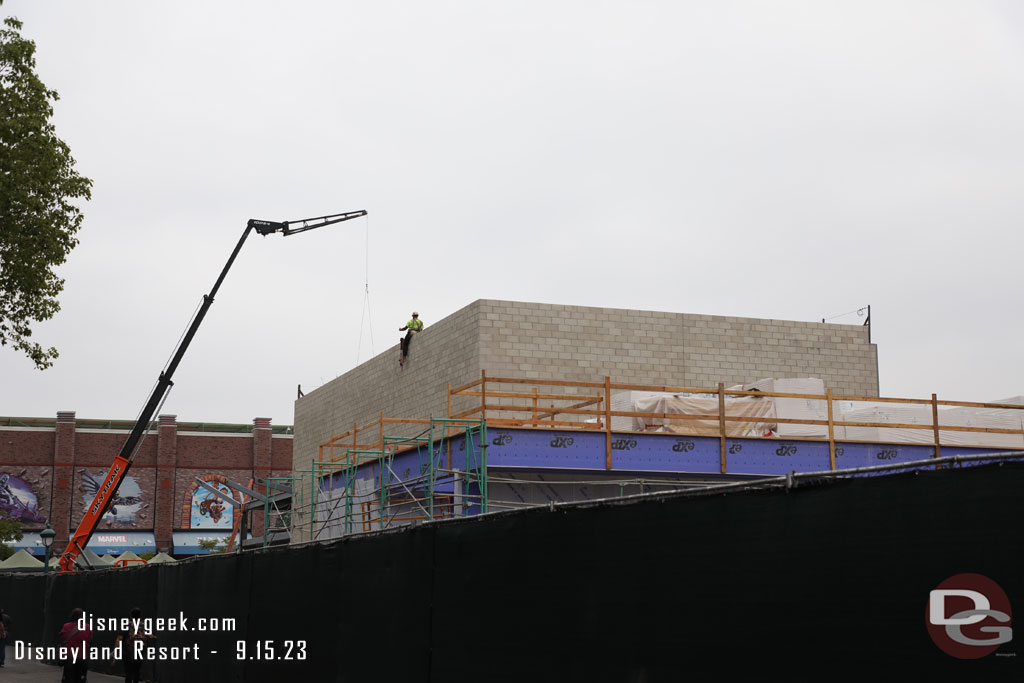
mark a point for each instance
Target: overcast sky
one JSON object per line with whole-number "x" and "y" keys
{"x": 787, "y": 160}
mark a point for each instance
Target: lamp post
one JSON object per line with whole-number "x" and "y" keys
{"x": 47, "y": 535}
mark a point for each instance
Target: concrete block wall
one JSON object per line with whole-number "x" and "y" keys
{"x": 445, "y": 351}
{"x": 740, "y": 350}
{"x": 652, "y": 347}
{"x": 550, "y": 341}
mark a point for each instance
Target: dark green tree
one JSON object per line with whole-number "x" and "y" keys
{"x": 10, "y": 530}
{"x": 38, "y": 183}
{"x": 215, "y": 546}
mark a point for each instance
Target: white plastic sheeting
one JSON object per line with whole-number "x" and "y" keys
{"x": 794, "y": 408}
{"x": 894, "y": 413}
{"x": 758, "y": 415}
{"x": 763, "y": 412}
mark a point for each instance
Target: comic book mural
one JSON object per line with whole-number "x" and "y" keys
{"x": 206, "y": 510}
{"x": 129, "y": 507}
{"x": 18, "y": 500}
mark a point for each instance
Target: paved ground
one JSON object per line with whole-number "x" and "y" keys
{"x": 28, "y": 671}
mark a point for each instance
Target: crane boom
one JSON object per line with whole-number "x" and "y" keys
{"x": 123, "y": 462}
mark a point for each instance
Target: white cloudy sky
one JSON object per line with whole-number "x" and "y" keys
{"x": 788, "y": 160}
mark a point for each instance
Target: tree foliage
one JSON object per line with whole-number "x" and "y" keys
{"x": 213, "y": 545}
{"x": 38, "y": 182}
{"x": 10, "y": 530}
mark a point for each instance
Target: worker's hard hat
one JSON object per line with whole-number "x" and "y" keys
{"x": 415, "y": 314}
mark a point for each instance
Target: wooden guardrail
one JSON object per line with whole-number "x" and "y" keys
{"x": 567, "y": 404}
{"x": 591, "y": 410}
{"x": 356, "y": 451}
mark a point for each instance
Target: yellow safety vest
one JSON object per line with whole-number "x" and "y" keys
{"x": 415, "y": 324}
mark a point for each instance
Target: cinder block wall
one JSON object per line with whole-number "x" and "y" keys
{"x": 652, "y": 347}
{"x": 529, "y": 340}
{"x": 445, "y": 351}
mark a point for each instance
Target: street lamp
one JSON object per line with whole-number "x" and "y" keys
{"x": 47, "y": 535}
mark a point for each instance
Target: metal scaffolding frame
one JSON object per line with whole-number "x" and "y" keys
{"x": 444, "y": 476}
{"x": 284, "y": 494}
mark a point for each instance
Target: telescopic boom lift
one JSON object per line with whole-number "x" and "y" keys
{"x": 123, "y": 461}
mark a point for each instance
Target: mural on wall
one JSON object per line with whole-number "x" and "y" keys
{"x": 124, "y": 509}
{"x": 18, "y": 500}
{"x": 205, "y": 510}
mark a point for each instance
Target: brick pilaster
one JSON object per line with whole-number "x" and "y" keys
{"x": 261, "y": 438}
{"x": 64, "y": 492}
{"x": 166, "y": 461}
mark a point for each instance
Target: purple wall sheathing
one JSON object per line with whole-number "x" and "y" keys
{"x": 536, "y": 448}
{"x": 405, "y": 467}
{"x": 664, "y": 453}
{"x": 851, "y": 455}
{"x": 775, "y": 456}
{"x": 948, "y": 451}
{"x": 659, "y": 452}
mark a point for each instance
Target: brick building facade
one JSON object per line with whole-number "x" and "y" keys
{"x": 49, "y": 469}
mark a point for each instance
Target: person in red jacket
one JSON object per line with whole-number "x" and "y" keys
{"x": 75, "y": 638}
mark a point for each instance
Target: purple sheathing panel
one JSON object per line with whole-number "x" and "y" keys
{"x": 774, "y": 456}
{"x": 405, "y": 467}
{"x": 665, "y": 453}
{"x": 539, "y": 449}
{"x": 851, "y": 455}
{"x": 542, "y": 448}
{"x": 960, "y": 450}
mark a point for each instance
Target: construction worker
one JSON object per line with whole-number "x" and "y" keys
{"x": 415, "y": 325}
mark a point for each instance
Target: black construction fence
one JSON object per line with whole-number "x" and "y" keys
{"x": 827, "y": 577}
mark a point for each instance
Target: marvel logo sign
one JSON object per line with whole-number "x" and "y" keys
{"x": 112, "y": 538}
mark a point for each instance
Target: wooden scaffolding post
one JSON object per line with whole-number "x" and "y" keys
{"x": 446, "y": 426}
{"x": 483, "y": 395}
{"x": 831, "y": 433}
{"x": 721, "y": 425}
{"x": 935, "y": 427}
{"x": 607, "y": 423}
{"x": 380, "y": 464}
